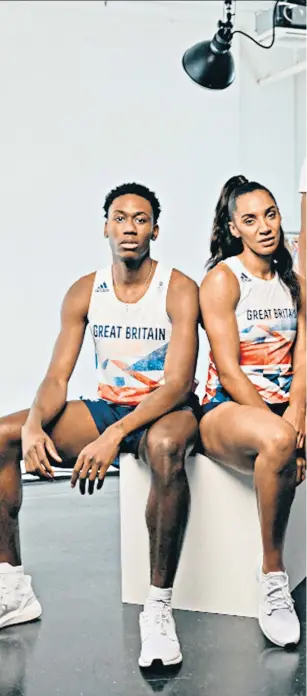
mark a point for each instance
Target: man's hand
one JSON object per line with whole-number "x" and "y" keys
{"x": 95, "y": 459}
{"x": 36, "y": 445}
{"x": 295, "y": 414}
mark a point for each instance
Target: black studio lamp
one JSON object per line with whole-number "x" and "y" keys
{"x": 210, "y": 63}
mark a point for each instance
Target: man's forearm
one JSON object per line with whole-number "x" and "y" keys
{"x": 49, "y": 401}
{"x": 154, "y": 406}
{"x": 242, "y": 390}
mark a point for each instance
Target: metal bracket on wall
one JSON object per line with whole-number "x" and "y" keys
{"x": 282, "y": 74}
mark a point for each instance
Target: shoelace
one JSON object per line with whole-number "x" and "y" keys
{"x": 163, "y": 620}
{"x": 278, "y": 596}
{"x": 159, "y": 619}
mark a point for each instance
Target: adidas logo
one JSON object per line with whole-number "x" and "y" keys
{"x": 102, "y": 288}
{"x": 245, "y": 278}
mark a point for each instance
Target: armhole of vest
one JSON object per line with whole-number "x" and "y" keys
{"x": 168, "y": 276}
{"x": 233, "y": 264}
{"x": 236, "y": 273}
{"x": 92, "y": 296}
{"x": 165, "y": 275}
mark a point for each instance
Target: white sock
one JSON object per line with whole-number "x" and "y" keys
{"x": 157, "y": 595}
{"x": 6, "y": 568}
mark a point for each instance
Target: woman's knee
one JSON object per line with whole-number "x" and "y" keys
{"x": 280, "y": 447}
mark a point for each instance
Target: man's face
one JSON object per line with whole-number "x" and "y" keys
{"x": 130, "y": 227}
{"x": 256, "y": 220}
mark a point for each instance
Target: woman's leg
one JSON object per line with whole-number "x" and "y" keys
{"x": 253, "y": 440}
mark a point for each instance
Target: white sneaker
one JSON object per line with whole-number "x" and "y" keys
{"x": 277, "y": 616}
{"x": 158, "y": 636}
{"x": 18, "y": 603}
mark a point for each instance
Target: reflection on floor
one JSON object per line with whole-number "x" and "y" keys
{"x": 87, "y": 643}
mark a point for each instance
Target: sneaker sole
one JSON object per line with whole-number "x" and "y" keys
{"x": 275, "y": 642}
{"x": 166, "y": 663}
{"x": 30, "y": 613}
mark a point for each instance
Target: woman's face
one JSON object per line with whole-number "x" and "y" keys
{"x": 256, "y": 221}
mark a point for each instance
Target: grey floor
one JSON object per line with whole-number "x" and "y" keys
{"x": 87, "y": 643}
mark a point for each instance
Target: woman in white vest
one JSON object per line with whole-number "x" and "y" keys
{"x": 253, "y": 420}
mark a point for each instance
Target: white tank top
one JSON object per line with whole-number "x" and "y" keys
{"x": 267, "y": 324}
{"x": 131, "y": 340}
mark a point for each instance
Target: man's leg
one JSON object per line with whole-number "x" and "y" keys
{"x": 253, "y": 440}
{"x": 164, "y": 448}
{"x": 73, "y": 429}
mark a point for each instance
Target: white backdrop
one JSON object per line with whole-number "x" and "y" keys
{"x": 92, "y": 97}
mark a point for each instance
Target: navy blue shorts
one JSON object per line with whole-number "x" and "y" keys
{"x": 278, "y": 409}
{"x": 105, "y": 413}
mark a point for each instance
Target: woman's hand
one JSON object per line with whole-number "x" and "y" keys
{"x": 295, "y": 414}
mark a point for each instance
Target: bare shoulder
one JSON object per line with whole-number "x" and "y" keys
{"x": 182, "y": 297}
{"x": 181, "y": 283}
{"x": 221, "y": 282}
{"x": 77, "y": 298}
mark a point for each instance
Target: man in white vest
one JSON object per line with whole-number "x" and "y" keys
{"x": 144, "y": 321}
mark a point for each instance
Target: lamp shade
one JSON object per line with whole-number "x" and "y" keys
{"x": 209, "y": 66}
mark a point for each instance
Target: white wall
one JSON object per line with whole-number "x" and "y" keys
{"x": 300, "y": 122}
{"x": 273, "y": 118}
{"x": 92, "y": 97}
